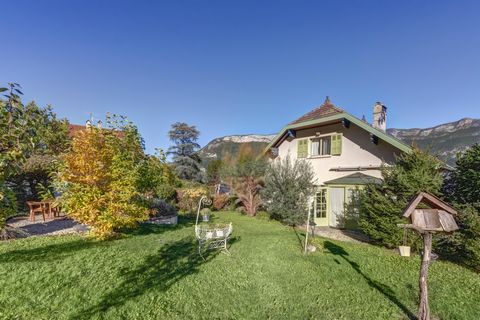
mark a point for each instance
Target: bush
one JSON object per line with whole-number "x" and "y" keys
{"x": 159, "y": 207}
{"x": 288, "y": 187}
{"x": 220, "y": 201}
{"x": 8, "y": 204}
{"x": 100, "y": 176}
{"x": 381, "y": 205}
{"x": 463, "y": 246}
{"x": 188, "y": 198}
{"x": 245, "y": 178}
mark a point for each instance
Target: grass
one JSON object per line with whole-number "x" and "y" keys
{"x": 155, "y": 273}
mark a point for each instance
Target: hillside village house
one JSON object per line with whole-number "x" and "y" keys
{"x": 345, "y": 152}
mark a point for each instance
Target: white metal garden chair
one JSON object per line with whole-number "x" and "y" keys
{"x": 211, "y": 237}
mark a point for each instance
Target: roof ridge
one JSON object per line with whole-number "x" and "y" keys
{"x": 325, "y": 109}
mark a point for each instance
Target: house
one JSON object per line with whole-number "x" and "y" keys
{"x": 345, "y": 152}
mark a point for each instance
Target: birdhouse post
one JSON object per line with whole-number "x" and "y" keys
{"x": 437, "y": 218}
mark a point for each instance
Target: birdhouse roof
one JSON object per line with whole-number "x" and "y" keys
{"x": 430, "y": 200}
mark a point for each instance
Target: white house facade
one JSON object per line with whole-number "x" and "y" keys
{"x": 345, "y": 153}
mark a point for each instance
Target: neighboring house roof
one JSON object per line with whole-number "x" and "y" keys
{"x": 328, "y": 113}
{"x": 73, "y": 129}
{"x": 355, "y": 178}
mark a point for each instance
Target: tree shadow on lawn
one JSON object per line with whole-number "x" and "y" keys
{"x": 53, "y": 252}
{"x": 380, "y": 287}
{"x": 159, "y": 271}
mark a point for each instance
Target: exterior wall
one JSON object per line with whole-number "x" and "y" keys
{"x": 357, "y": 150}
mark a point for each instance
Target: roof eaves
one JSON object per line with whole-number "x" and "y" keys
{"x": 380, "y": 134}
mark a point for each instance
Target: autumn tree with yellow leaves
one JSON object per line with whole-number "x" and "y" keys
{"x": 99, "y": 178}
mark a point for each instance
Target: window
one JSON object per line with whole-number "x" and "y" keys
{"x": 321, "y": 203}
{"x": 321, "y": 146}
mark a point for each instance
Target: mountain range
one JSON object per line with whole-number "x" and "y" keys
{"x": 445, "y": 140}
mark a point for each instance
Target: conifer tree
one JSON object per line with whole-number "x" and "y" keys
{"x": 184, "y": 151}
{"x": 381, "y": 205}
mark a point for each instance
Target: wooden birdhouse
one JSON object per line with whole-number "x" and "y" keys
{"x": 438, "y": 217}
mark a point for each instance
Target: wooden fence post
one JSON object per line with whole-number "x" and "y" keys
{"x": 424, "y": 309}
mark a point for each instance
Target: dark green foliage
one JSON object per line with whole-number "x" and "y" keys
{"x": 156, "y": 178}
{"x": 463, "y": 187}
{"x": 8, "y": 204}
{"x": 160, "y": 207}
{"x": 381, "y": 205}
{"x": 184, "y": 151}
{"x": 214, "y": 168}
{"x": 464, "y": 182}
{"x": 31, "y": 139}
{"x": 463, "y": 246}
{"x": 288, "y": 186}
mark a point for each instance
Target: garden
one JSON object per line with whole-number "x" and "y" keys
{"x": 131, "y": 250}
{"x": 154, "y": 272}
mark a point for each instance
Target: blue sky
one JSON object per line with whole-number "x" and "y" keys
{"x": 238, "y": 67}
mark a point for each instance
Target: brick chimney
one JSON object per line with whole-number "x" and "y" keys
{"x": 379, "y": 116}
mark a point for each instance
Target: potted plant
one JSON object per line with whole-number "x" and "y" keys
{"x": 205, "y": 214}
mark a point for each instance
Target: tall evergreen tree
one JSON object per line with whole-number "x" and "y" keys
{"x": 381, "y": 205}
{"x": 184, "y": 151}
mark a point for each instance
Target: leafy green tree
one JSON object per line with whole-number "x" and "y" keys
{"x": 288, "y": 187}
{"x": 381, "y": 205}
{"x": 156, "y": 178}
{"x": 184, "y": 151}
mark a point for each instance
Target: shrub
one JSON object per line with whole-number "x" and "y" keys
{"x": 100, "y": 180}
{"x": 463, "y": 246}
{"x": 288, "y": 187}
{"x": 463, "y": 187}
{"x": 220, "y": 201}
{"x": 159, "y": 207}
{"x": 188, "y": 198}
{"x": 381, "y": 205}
{"x": 245, "y": 178}
{"x": 157, "y": 178}
{"x": 8, "y": 204}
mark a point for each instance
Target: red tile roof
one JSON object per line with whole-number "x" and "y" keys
{"x": 324, "y": 110}
{"x": 74, "y": 128}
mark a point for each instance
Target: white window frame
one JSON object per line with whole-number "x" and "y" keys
{"x": 320, "y": 136}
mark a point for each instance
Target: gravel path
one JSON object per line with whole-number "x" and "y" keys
{"x": 56, "y": 226}
{"x": 341, "y": 234}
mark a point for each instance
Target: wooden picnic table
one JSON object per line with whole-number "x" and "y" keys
{"x": 46, "y": 208}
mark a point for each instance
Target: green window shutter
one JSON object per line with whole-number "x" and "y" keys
{"x": 337, "y": 144}
{"x": 302, "y": 148}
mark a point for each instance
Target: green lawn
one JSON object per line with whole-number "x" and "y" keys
{"x": 155, "y": 273}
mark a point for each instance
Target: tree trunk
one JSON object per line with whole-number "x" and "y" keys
{"x": 424, "y": 309}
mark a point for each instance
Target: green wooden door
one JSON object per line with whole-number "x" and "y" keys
{"x": 320, "y": 207}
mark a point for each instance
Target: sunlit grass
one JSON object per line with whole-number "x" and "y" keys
{"x": 155, "y": 273}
